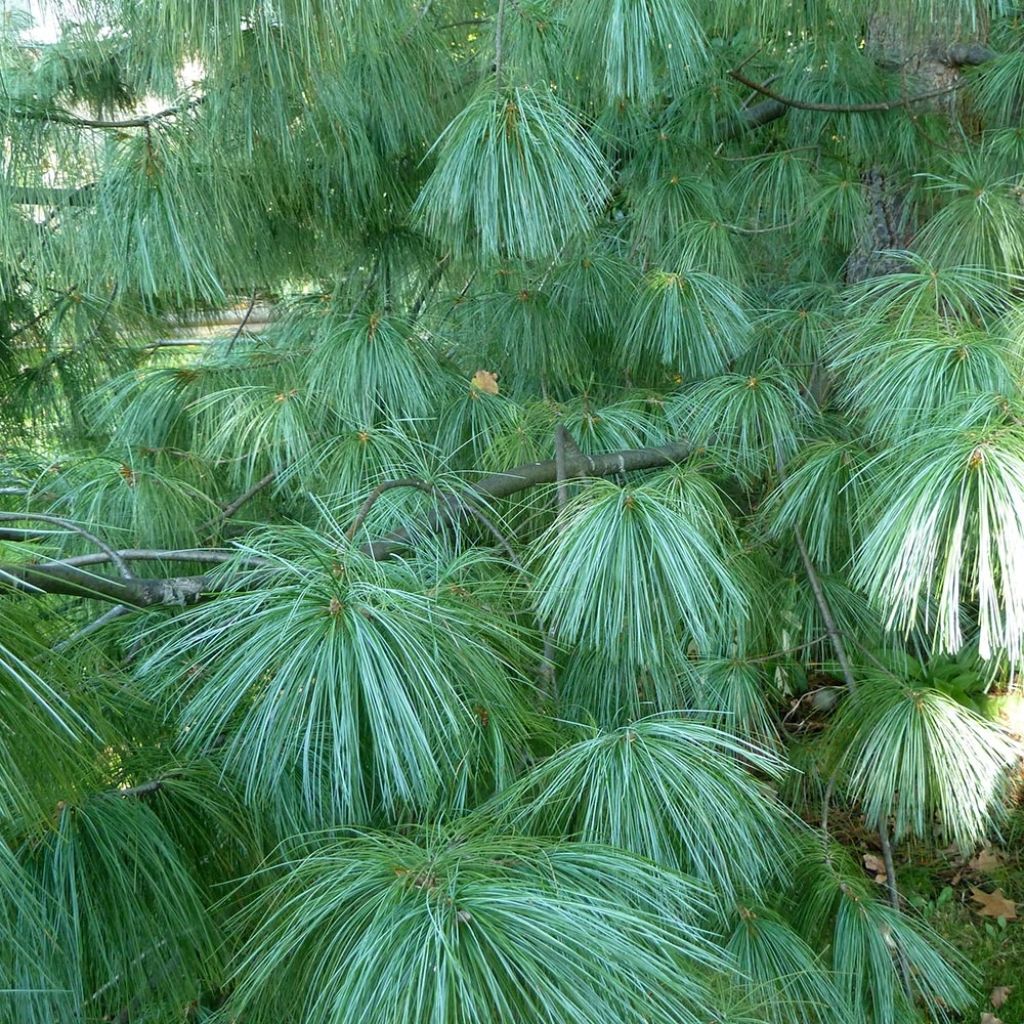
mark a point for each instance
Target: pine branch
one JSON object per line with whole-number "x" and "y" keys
{"x": 74, "y": 121}
{"x": 41, "y": 195}
{"x": 750, "y": 118}
{"x": 232, "y": 507}
{"x": 215, "y": 556}
{"x": 71, "y": 581}
{"x": 532, "y": 474}
{"x": 67, "y": 524}
{"x": 63, "y": 577}
{"x": 841, "y": 108}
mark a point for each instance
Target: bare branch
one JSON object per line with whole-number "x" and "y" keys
{"x": 214, "y": 556}
{"x": 841, "y": 108}
{"x": 67, "y": 524}
{"x": 232, "y": 507}
{"x": 74, "y": 580}
{"x": 62, "y": 117}
{"x": 381, "y": 488}
{"x": 55, "y": 578}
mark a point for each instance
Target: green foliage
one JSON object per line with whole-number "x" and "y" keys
{"x": 633, "y": 571}
{"x": 473, "y": 477}
{"x": 381, "y": 694}
{"x": 914, "y": 754}
{"x": 516, "y": 176}
{"x": 660, "y": 787}
{"x": 944, "y": 532}
{"x": 462, "y": 927}
{"x": 870, "y": 943}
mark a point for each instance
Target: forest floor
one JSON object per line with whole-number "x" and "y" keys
{"x": 973, "y": 904}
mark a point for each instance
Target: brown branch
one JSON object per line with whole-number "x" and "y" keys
{"x": 382, "y": 488}
{"x": 143, "y": 121}
{"x": 67, "y": 524}
{"x": 243, "y": 322}
{"x": 214, "y": 556}
{"x": 840, "y": 108}
{"x": 75, "y": 581}
{"x": 232, "y": 507}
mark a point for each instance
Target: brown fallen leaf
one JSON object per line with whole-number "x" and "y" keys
{"x": 876, "y": 866}
{"x": 994, "y": 904}
{"x": 989, "y": 1018}
{"x": 999, "y": 995}
{"x": 484, "y": 380}
{"x": 986, "y": 861}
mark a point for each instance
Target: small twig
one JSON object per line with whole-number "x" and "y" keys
{"x": 142, "y": 789}
{"x": 431, "y": 284}
{"x": 241, "y": 326}
{"x": 97, "y": 624}
{"x": 746, "y": 60}
{"x": 233, "y": 506}
{"x": 745, "y": 105}
{"x": 492, "y": 529}
{"x": 38, "y": 517}
{"x": 840, "y": 108}
{"x": 826, "y": 611}
{"x": 786, "y": 650}
{"x": 381, "y": 488}
{"x": 826, "y": 802}
{"x": 894, "y": 899}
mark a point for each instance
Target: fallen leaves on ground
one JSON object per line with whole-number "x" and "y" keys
{"x": 987, "y": 860}
{"x": 994, "y": 904}
{"x": 999, "y": 995}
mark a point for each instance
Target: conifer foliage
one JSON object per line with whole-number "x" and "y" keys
{"x": 611, "y": 381}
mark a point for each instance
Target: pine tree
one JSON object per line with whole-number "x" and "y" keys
{"x": 613, "y": 382}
